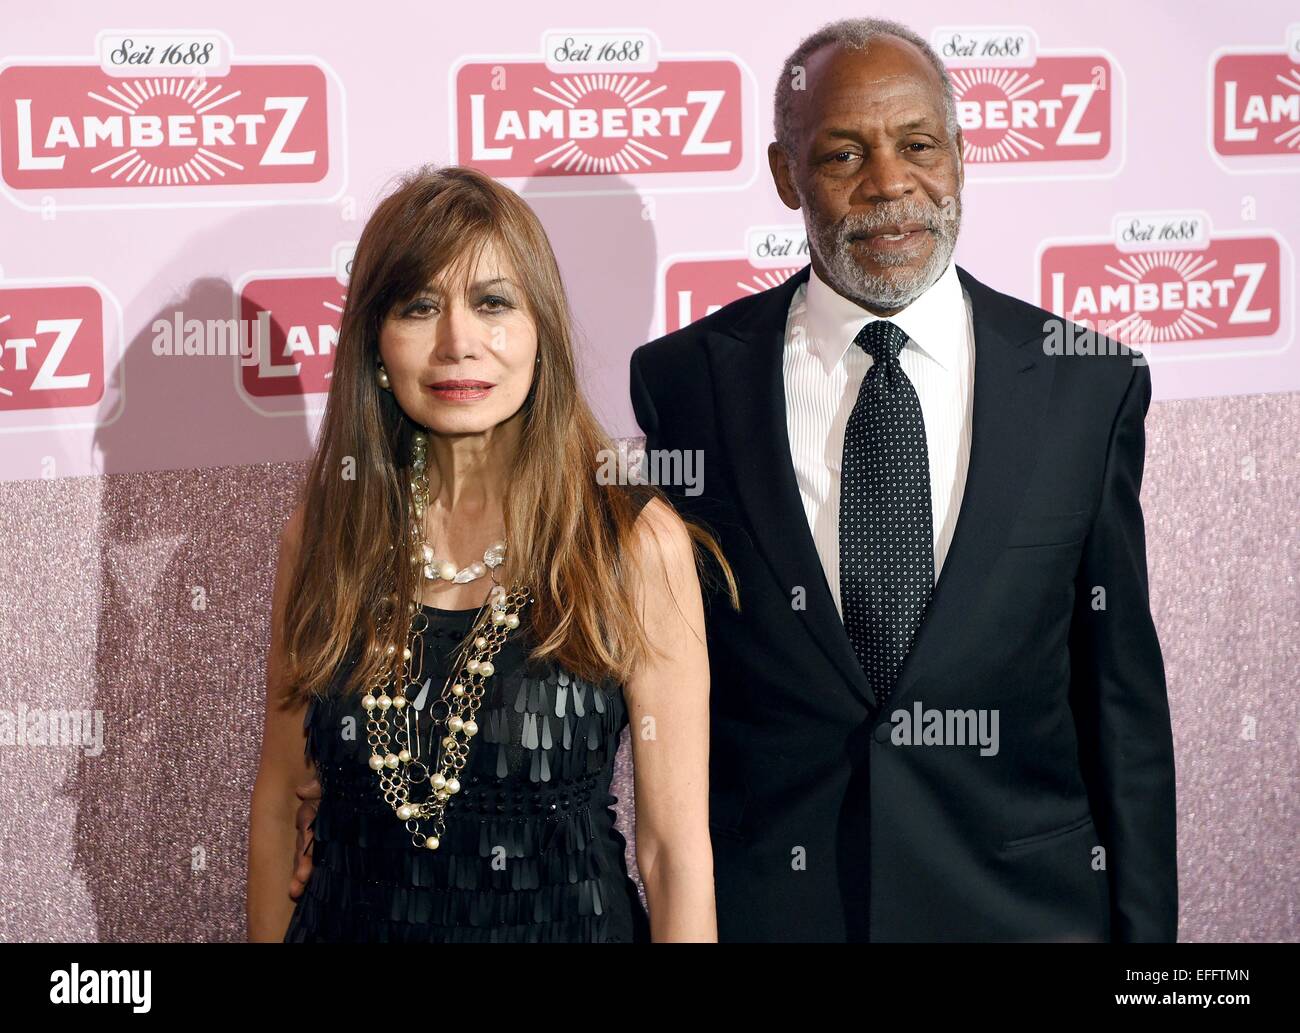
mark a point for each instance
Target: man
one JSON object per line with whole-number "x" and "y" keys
{"x": 941, "y": 712}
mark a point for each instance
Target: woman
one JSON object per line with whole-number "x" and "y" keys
{"x": 465, "y": 618}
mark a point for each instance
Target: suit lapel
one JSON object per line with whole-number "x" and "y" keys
{"x": 749, "y": 389}
{"x": 1011, "y": 385}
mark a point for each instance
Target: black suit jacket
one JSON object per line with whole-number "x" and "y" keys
{"x": 822, "y": 827}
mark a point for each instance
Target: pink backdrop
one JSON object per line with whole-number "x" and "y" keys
{"x": 1134, "y": 165}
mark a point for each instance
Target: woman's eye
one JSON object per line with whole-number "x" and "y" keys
{"x": 424, "y": 308}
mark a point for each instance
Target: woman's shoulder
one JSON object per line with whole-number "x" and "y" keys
{"x": 652, "y": 515}
{"x": 661, "y": 536}
{"x": 657, "y": 532}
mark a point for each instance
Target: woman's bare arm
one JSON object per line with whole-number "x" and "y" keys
{"x": 283, "y": 767}
{"x": 668, "y": 702}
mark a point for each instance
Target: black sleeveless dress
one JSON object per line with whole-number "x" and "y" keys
{"x": 530, "y": 854}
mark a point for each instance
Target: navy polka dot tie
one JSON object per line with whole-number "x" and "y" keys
{"x": 886, "y": 545}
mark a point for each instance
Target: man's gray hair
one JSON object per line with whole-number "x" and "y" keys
{"x": 856, "y": 34}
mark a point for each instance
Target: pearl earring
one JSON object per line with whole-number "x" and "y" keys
{"x": 382, "y": 376}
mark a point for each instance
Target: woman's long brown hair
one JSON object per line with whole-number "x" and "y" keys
{"x": 560, "y": 520}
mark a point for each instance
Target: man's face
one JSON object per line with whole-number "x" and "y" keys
{"x": 875, "y": 171}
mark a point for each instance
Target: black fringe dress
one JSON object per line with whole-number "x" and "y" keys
{"x": 530, "y": 854}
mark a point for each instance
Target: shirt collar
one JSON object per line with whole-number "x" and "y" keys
{"x": 931, "y": 321}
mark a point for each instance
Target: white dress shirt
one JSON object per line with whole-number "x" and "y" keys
{"x": 823, "y": 370}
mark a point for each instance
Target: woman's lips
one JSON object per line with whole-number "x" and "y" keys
{"x": 459, "y": 390}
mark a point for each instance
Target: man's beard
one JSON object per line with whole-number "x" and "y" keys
{"x": 831, "y": 243}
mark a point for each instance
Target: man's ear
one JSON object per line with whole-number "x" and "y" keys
{"x": 961, "y": 161}
{"x": 782, "y": 175}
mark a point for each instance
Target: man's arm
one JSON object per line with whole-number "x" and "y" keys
{"x": 643, "y": 405}
{"x": 1119, "y": 697}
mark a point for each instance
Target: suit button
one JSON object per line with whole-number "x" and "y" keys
{"x": 883, "y": 731}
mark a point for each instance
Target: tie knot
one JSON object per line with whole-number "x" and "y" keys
{"x": 881, "y": 339}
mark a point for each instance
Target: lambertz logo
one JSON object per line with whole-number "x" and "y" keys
{"x": 165, "y": 116}
{"x": 1255, "y": 105}
{"x": 696, "y": 285}
{"x": 58, "y": 339}
{"x": 600, "y": 104}
{"x": 292, "y": 319}
{"x": 1019, "y": 106}
{"x": 1165, "y": 280}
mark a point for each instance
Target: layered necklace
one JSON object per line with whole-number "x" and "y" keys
{"x": 418, "y": 775}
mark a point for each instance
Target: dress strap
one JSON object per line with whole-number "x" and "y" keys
{"x": 640, "y": 495}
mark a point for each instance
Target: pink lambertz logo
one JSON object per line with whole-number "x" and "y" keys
{"x": 1030, "y": 113}
{"x": 59, "y": 345}
{"x": 1255, "y": 108}
{"x": 1211, "y": 289}
{"x": 597, "y": 104}
{"x": 696, "y": 285}
{"x": 75, "y": 127}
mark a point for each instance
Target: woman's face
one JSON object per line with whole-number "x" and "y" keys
{"x": 461, "y": 354}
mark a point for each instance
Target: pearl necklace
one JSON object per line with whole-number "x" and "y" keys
{"x": 445, "y": 570}
{"x": 396, "y": 752}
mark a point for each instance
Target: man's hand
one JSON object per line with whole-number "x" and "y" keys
{"x": 309, "y": 794}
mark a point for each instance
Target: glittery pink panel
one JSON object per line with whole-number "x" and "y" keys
{"x": 148, "y": 840}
